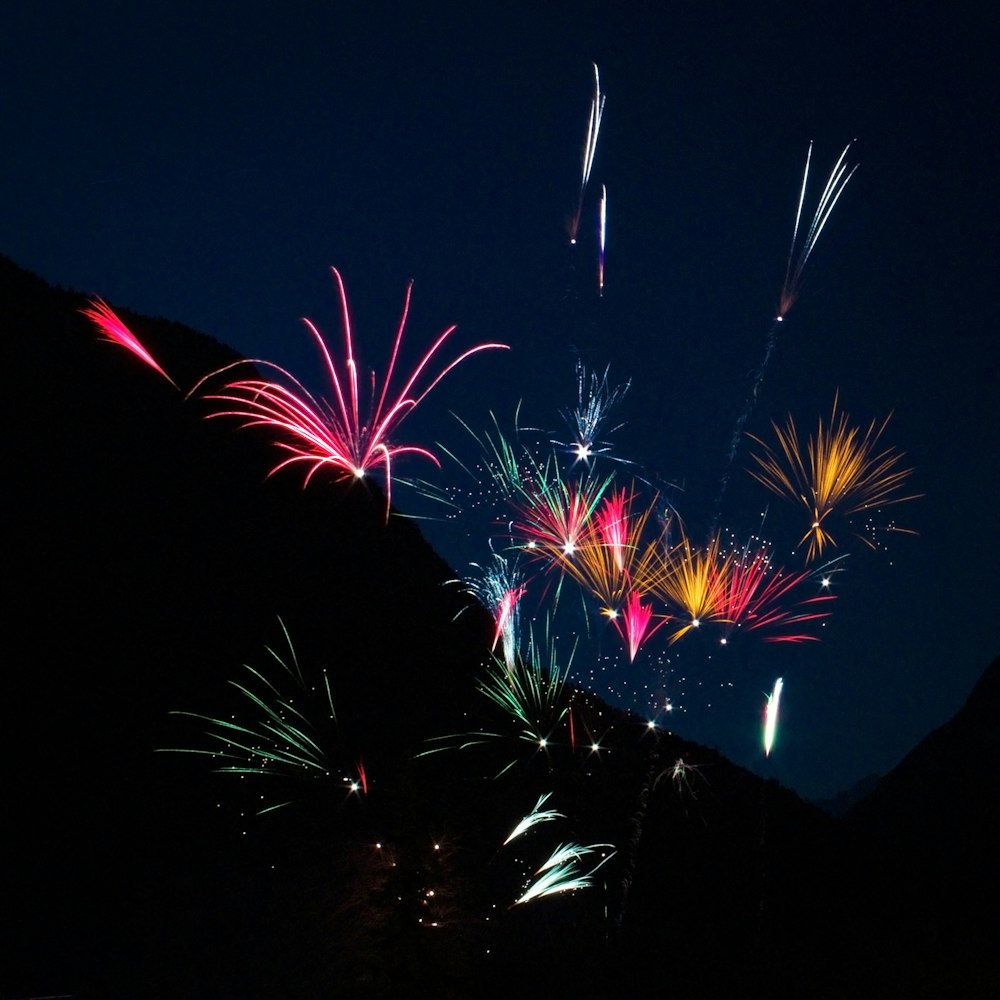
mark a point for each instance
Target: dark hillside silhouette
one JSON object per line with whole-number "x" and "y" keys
{"x": 149, "y": 558}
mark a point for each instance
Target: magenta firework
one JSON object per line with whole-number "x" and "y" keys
{"x": 353, "y": 432}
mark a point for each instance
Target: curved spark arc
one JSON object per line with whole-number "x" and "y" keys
{"x": 562, "y": 871}
{"x": 533, "y": 818}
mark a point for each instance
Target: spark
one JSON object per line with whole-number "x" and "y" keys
{"x": 336, "y": 435}
{"x": 114, "y": 329}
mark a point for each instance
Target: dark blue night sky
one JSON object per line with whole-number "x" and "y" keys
{"x": 209, "y": 163}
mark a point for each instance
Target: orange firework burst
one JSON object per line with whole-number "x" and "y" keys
{"x": 842, "y": 473}
{"x": 611, "y": 559}
{"x": 692, "y": 579}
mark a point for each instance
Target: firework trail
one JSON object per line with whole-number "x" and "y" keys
{"x": 587, "y": 159}
{"x": 115, "y": 330}
{"x": 336, "y": 435}
{"x": 636, "y": 825}
{"x": 602, "y": 230}
{"x": 798, "y": 257}
{"x": 842, "y": 473}
{"x": 771, "y": 716}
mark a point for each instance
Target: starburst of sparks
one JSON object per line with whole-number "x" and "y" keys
{"x": 841, "y": 471}
{"x": 532, "y": 695}
{"x": 345, "y": 434}
{"x": 551, "y": 520}
{"x": 690, "y": 579}
{"x": 755, "y": 595}
{"x": 292, "y": 734}
{"x": 595, "y": 399}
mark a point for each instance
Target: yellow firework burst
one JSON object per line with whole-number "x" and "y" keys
{"x": 842, "y": 471}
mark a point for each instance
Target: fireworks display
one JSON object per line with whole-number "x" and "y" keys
{"x": 647, "y": 587}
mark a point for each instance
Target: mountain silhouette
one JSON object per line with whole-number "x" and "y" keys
{"x": 155, "y": 568}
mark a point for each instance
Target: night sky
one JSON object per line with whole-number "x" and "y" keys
{"x": 209, "y": 163}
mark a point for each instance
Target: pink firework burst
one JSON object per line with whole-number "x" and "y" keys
{"x": 755, "y": 595}
{"x": 635, "y": 623}
{"x": 346, "y": 434}
{"x": 554, "y": 518}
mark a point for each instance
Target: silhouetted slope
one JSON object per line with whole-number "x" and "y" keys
{"x": 936, "y": 818}
{"x": 150, "y": 557}
{"x": 937, "y": 796}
